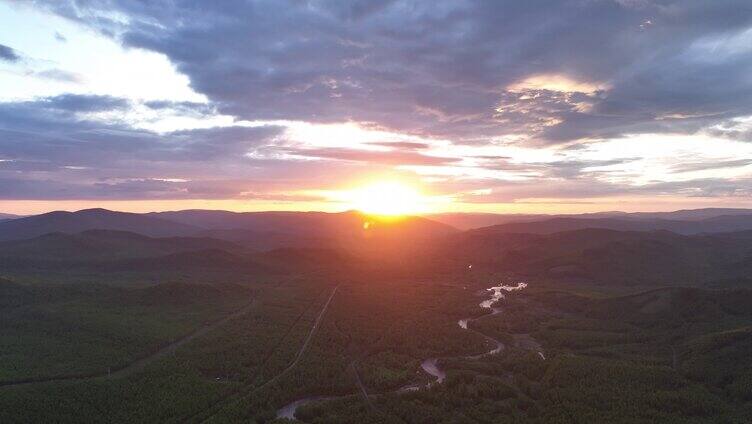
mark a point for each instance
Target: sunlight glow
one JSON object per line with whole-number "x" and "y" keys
{"x": 556, "y": 82}
{"x": 388, "y": 198}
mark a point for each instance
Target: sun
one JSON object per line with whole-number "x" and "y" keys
{"x": 388, "y": 198}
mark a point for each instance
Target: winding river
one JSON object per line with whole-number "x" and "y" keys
{"x": 288, "y": 411}
{"x": 431, "y": 365}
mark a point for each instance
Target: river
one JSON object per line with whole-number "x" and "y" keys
{"x": 431, "y": 365}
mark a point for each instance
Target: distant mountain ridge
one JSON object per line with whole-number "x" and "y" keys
{"x": 105, "y": 244}
{"x": 300, "y": 223}
{"x": 94, "y": 252}
{"x": 468, "y": 221}
{"x": 609, "y": 256}
{"x": 91, "y": 219}
{"x": 57, "y": 234}
{"x": 315, "y": 227}
{"x": 623, "y": 251}
{"x": 716, "y": 224}
{"x": 100, "y": 233}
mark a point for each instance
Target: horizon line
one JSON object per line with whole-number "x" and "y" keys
{"x": 551, "y": 214}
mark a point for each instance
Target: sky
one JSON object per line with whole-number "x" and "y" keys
{"x": 450, "y": 105}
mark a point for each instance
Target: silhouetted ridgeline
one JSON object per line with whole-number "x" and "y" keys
{"x": 630, "y": 250}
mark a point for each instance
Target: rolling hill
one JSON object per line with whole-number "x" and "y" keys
{"x": 7, "y": 216}
{"x": 205, "y": 259}
{"x": 642, "y": 249}
{"x": 271, "y": 230}
{"x": 91, "y": 219}
{"x": 717, "y": 224}
{"x": 468, "y": 221}
{"x": 298, "y": 223}
{"x": 105, "y": 245}
{"x": 608, "y": 256}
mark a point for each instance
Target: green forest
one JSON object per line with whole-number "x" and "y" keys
{"x": 663, "y": 355}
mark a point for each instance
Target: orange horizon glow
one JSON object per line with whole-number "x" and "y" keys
{"x": 387, "y": 198}
{"x": 550, "y": 206}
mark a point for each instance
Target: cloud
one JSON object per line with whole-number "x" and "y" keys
{"x": 576, "y": 168}
{"x": 504, "y": 101}
{"x": 59, "y": 75}
{"x": 559, "y": 83}
{"x": 591, "y": 189}
{"x": 468, "y": 70}
{"x": 706, "y": 187}
{"x": 379, "y": 157}
{"x": 78, "y": 103}
{"x": 50, "y": 148}
{"x": 186, "y": 108}
{"x": 569, "y": 169}
{"x": 704, "y": 166}
{"x": 8, "y": 54}
{"x": 407, "y": 145}
{"x": 58, "y": 129}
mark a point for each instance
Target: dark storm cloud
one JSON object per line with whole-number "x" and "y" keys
{"x": 445, "y": 67}
{"x": 8, "y": 54}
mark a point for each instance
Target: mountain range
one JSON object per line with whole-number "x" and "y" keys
{"x": 610, "y": 256}
{"x": 6, "y": 216}
{"x": 467, "y": 221}
{"x": 704, "y": 246}
{"x": 715, "y": 224}
{"x": 91, "y": 219}
{"x": 315, "y": 227}
{"x": 261, "y": 230}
